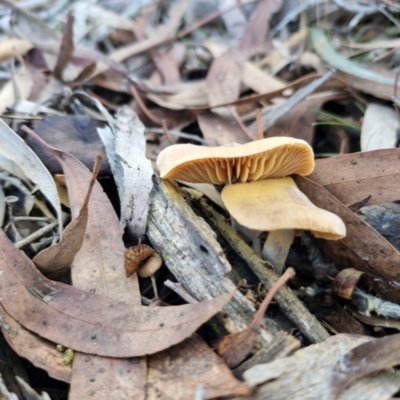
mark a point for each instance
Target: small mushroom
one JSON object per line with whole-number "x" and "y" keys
{"x": 144, "y": 260}
{"x": 251, "y": 195}
{"x": 278, "y": 206}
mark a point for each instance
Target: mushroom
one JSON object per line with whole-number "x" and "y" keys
{"x": 278, "y": 206}
{"x": 248, "y": 170}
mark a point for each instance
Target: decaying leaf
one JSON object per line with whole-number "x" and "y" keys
{"x": 58, "y": 258}
{"x": 373, "y": 356}
{"x": 345, "y": 283}
{"x": 177, "y": 372}
{"x": 363, "y": 247}
{"x": 353, "y": 177}
{"x": 309, "y": 374}
{"x": 89, "y": 322}
{"x": 39, "y": 352}
{"x": 13, "y": 148}
{"x": 379, "y": 83}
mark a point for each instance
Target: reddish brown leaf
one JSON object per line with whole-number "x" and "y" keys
{"x": 178, "y": 371}
{"x": 363, "y": 247}
{"x": 345, "y": 282}
{"x": 353, "y": 177}
{"x": 88, "y": 322}
{"x": 39, "y": 352}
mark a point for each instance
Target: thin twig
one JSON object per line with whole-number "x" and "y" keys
{"x": 179, "y": 290}
{"x": 35, "y": 235}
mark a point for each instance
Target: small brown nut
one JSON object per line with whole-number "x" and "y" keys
{"x": 142, "y": 259}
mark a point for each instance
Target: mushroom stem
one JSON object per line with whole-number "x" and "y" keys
{"x": 250, "y": 236}
{"x": 276, "y": 248}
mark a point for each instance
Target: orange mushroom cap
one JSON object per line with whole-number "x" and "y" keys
{"x": 277, "y": 204}
{"x": 267, "y": 158}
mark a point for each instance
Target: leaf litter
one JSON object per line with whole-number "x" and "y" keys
{"x": 197, "y": 70}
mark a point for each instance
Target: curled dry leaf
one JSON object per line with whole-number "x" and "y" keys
{"x": 125, "y": 145}
{"x": 56, "y": 259}
{"x": 345, "y": 283}
{"x": 13, "y": 148}
{"x": 363, "y": 247}
{"x": 88, "y": 322}
{"x": 143, "y": 259}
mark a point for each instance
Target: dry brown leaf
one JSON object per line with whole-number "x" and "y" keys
{"x": 76, "y": 135}
{"x": 376, "y": 355}
{"x": 363, "y": 247}
{"x": 224, "y": 75}
{"x": 108, "y": 378}
{"x": 308, "y": 374}
{"x": 353, "y": 177}
{"x": 345, "y": 282}
{"x": 221, "y": 128}
{"x": 39, "y": 352}
{"x": 88, "y": 322}
{"x": 66, "y": 48}
{"x": 177, "y": 372}
{"x": 57, "y": 259}
{"x": 96, "y": 268}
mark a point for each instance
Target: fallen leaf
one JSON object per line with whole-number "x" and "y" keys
{"x": 88, "y": 322}
{"x": 39, "y": 352}
{"x": 363, "y": 247}
{"x": 125, "y": 145}
{"x": 220, "y": 128}
{"x": 309, "y": 372}
{"x": 379, "y": 128}
{"x": 75, "y": 134}
{"x": 66, "y": 48}
{"x": 57, "y": 259}
{"x": 13, "y": 148}
{"x": 177, "y": 372}
{"x": 372, "y": 356}
{"x": 345, "y": 283}
{"x": 108, "y": 378}
{"x": 353, "y": 177}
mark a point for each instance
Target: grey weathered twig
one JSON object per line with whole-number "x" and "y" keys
{"x": 190, "y": 250}
{"x": 290, "y": 305}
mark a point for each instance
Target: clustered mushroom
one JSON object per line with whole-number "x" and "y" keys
{"x": 259, "y": 193}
